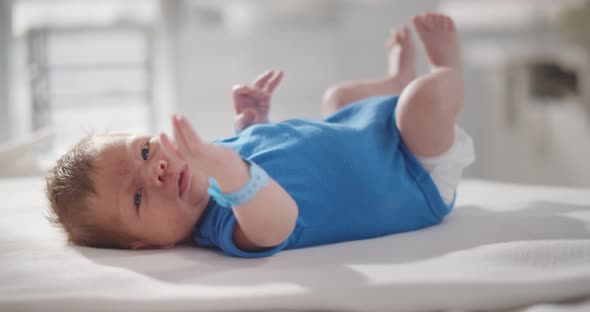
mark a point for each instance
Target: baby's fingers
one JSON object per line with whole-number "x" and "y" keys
{"x": 178, "y": 136}
{"x": 244, "y": 95}
{"x": 187, "y": 139}
{"x": 274, "y": 82}
{"x": 169, "y": 145}
{"x": 262, "y": 80}
{"x": 237, "y": 93}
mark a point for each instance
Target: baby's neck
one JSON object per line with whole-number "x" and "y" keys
{"x": 200, "y": 206}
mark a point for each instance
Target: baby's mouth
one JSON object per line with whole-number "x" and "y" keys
{"x": 184, "y": 180}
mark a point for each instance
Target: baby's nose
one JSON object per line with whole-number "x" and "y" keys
{"x": 160, "y": 170}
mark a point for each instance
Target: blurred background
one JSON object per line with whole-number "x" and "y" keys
{"x": 69, "y": 67}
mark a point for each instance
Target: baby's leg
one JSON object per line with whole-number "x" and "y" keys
{"x": 402, "y": 69}
{"x": 429, "y": 105}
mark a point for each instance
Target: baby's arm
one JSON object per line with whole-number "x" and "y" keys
{"x": 268, "y": 218}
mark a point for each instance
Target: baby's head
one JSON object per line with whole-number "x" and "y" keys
{"x": 125, "y": 191}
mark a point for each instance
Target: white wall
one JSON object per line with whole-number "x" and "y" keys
{"x": 197, "y": 64}
{"x": 313, "y": 57}
{"x": 210, "y": 60}
{"x": 5, "y": 56}
{"x": 543, "y": 143}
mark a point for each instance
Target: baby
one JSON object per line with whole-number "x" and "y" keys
{"x": 378, "y": 164}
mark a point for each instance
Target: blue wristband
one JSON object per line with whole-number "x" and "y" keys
{"x": 258, "y": 179}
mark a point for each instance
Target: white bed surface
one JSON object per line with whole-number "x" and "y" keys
{"x": 506, "y": 246}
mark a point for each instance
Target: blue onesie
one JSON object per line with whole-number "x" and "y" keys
{"x": 351, "y": 176}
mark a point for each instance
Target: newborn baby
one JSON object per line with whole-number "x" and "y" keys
{"x": 386, "y": 159}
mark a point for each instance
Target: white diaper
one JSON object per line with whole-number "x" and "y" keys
{"x": 446, "y": 169}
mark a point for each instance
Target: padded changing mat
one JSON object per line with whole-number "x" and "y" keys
{"x": 504, "y": 246}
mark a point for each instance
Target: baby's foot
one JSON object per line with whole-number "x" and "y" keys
{"x": 438, "y": 35}
{"x": 402, "y": 56}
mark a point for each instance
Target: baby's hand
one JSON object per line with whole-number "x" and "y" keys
{"x": 252, "y": 102}
{"x": 221, "y": 163}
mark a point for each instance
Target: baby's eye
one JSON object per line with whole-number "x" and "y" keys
{"x": 137, "y": 198}
{"x": 145, "y": 150}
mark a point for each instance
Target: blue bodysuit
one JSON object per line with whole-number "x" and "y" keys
{"x": 351, "y": 176}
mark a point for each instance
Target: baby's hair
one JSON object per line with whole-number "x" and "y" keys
{"x": 71, "y": 191}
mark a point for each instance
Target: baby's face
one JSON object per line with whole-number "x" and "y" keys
{"x": 147, "y": 191}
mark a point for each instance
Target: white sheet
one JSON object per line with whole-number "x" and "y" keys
{"x": 504, "y": 246}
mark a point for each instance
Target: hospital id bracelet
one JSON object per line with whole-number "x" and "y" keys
{"x": 258, "y": 179}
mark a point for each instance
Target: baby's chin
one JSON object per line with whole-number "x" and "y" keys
{"x": 196, "y": 195}
{"x": 192, "y": 208}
